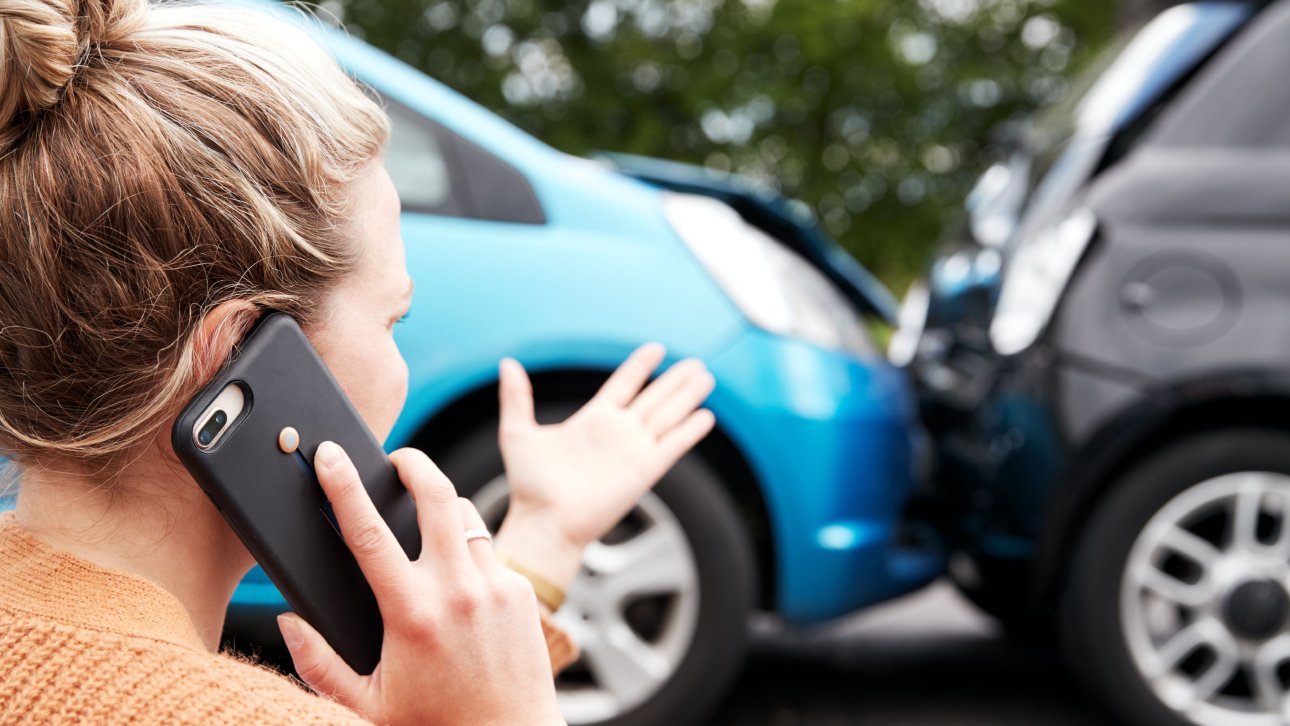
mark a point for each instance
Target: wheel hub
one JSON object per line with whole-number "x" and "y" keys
{"x": 1204, "y": 604}
{"x": 1256, "y": 609}
{"x": 622, "y": 666}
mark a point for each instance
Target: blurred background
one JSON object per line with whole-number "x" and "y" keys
{"x": 1063, "y": 454}
{"x": 872, "y": 113}
{"x": 875, "y": 118}
{"x": 1051, "y": 486}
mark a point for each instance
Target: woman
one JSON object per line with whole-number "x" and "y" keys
{"x": 166, "y": 174}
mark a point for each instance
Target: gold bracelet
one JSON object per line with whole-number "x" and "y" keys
{"x": 560, "y": 648}
{"x": 547, "y": 592}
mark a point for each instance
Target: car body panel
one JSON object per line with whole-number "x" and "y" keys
{"x": 768, "y": 210}
{"x": 559, "y": 275}
{"x": 836, "y": 480}
{"x": 825, "y": 434}
{"x": 840, "y": 467}
{"x": 1173, "y": 306}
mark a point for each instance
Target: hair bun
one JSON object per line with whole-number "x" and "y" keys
{"x": 43, "y": 43}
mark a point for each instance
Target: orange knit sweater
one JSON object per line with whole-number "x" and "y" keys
{"x": 80, "y": 643}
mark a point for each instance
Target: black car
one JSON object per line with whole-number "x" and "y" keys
{"x": 1103, "y": 360}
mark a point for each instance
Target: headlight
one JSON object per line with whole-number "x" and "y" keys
{"x": 1035, "y": 280}
{"x": 770, "y": 284}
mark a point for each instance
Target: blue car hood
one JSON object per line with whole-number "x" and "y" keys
{"x": 769, "y": 211}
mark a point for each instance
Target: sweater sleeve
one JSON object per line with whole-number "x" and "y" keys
{"x": 267, "y": 697}
{"x": 238, "y": 690}
{"x": 559, "y": 646}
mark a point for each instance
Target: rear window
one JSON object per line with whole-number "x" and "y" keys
{"x": 1242, "y": 99}
{"x": 1132, "y": 75}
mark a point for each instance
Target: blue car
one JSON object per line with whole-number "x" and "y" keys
{"x": 792, "y": 505}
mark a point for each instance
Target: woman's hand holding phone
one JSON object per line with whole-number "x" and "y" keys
{"x": 571, "y": 482}
{"x": 463, "y": 641}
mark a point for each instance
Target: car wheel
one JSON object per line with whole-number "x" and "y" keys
{"x": 1177, "y": 609}
{"x": 661, "y": 605}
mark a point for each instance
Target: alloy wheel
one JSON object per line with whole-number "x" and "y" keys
{"x": 632, "y": 609}
{"x": 1205, "y": 601}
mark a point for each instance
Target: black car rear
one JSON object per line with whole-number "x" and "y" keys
{"x": 1103, "y": 357}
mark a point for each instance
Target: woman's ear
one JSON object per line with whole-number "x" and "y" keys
{"x": 221, "y": 329}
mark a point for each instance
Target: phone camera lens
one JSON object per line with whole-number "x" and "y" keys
{"x": 210, "y": 430}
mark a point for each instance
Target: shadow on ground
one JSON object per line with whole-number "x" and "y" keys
{"x": 926, "y": 660}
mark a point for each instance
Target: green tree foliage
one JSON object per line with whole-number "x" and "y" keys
{"x": 875, "y": 113}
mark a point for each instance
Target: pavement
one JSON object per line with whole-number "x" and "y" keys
{"x": 929, "y": 659}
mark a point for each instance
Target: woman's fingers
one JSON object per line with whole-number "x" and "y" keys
{"x": 658, "y": 392}
{"x": 626, "y": 382}
{"x": 515, "y": 394}
{"x": 318, "y": 665}
{"x": 438, "y": 512}
{"x": 481, "y": 548}
{"x": 366, "y": 534}
{"x": 682, "y": 438}
{"x": 679, "y": 403}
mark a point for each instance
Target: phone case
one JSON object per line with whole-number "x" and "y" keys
{"x": 272, "y": 499}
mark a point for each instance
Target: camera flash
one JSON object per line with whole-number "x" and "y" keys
{"x": 288, "y": 440}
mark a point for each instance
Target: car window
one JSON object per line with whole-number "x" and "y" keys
{"x": 437, "y": 171}
{"x": 416, "y": 163}
{"x": 1242, "y": 99}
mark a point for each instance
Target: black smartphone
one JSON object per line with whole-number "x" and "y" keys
{"x": 249, "y": 438}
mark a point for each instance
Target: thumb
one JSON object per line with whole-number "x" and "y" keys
{"x": 318, "y": 665}
{"x": 516, "y": 394}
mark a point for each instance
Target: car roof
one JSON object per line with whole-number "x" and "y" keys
{"x": 416, "y": 90}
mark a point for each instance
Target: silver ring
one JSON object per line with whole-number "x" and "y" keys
{"x": 478, "y": 533}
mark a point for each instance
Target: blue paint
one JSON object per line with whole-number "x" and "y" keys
{"x": 828, "y": 437}
{"x": 826, "y": 434}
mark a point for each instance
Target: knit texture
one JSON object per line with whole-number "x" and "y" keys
{"x": 83, "y": 644}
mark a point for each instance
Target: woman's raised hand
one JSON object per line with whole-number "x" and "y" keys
{"x": 572, "y": 481}
{"x": 463, "y": 639}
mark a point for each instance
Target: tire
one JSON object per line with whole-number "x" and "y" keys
{"x": 713, "y": 615}
{"x": 998, "y": 588}
{"x": 1182, "y": 571}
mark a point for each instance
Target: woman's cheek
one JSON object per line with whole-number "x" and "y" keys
{"x": 393, "y": 395}
{"x": 400, "y": 394}
{"x": 374, "y": 376}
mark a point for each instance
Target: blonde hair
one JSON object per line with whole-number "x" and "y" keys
{"x": 156, "y": 161}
